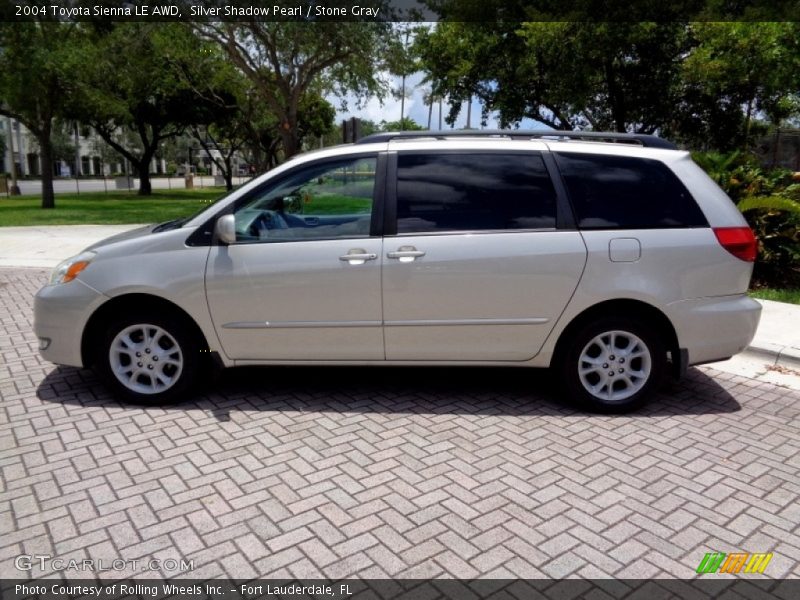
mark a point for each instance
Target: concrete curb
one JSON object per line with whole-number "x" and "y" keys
{"x": 777, "y": 340}
{"x": 779, "y": 356}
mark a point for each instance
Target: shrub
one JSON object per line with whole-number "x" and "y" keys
{"x": 770, "y": 201}
{"x": 775, "y": 220}
{"x": 740, "y": 175}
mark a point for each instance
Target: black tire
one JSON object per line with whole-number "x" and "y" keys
{"x": 628, "y": 388}
{"x": 178, "y": 343}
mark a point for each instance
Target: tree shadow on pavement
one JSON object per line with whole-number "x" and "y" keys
{"x": 413, "y": 390}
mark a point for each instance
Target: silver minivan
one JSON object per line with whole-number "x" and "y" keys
{"x": 611, "y": 258}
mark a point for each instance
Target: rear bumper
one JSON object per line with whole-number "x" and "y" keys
{"x": 714, "y": 328}
{"x": 60, "y": 313}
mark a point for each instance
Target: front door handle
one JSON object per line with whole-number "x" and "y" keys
{"x": 358, "y": 256}
{"x": 406, "y": 253}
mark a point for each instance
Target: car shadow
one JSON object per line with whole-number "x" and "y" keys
{"x": 415, "y": 390}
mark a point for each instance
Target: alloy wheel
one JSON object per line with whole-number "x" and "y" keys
{"x": 146, "y": 358}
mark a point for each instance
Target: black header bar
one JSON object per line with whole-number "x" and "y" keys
{"x": 489, "y": 11}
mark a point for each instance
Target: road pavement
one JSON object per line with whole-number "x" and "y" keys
{"x": 378, "y": 472}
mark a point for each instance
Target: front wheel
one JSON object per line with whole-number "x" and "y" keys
{"x": 148, "y": 359}
{"x": 613, "y": 364}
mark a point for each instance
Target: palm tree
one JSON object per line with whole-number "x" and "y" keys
{"x": 403, "y": 93}
{"x": 403, "y": 62}
{"x": 429, "y": 98}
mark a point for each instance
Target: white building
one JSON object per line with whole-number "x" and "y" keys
{"x": 89, "y": 146}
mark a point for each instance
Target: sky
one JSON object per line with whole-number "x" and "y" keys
{"x": 415, "y": 108}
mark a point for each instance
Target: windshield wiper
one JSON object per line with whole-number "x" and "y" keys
{"x": 167, "y": 225}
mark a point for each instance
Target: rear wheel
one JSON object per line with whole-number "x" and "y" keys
{"x": 149, "y": 359}
{"x": 613, "y": 364}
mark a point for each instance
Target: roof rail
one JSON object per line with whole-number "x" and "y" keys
{"x": 649, "y": 141}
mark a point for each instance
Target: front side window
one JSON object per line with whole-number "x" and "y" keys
{"x": 324, "y": 201}
{"x": 622, "y": 192}
{"x": 473, "y": 192}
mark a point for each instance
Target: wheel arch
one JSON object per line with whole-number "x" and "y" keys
{"x": 130, "y": 302}
{"x": 628, "y": 308}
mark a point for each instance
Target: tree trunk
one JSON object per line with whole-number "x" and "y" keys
{"x": 747, "y": 119}
{"x": 143, "y": 165}
{"x": 430, "y": 112}
{"x": 78, "y": 166}
{"x": 402, "y": 101}
{"x": 224, "y": 163}
{"x": 258, "y": 159}
{"x": 46, "y": 156}
{"x": 227, "y": 172}
{"x": 145, "y": 187}
{"x": 615, "y": 98}
{"x": 289, "y": 138}
{"x": 775, "y": 145}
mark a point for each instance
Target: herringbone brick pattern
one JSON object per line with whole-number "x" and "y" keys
{"x": 388, "y": 472}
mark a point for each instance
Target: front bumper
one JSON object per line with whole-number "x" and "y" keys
{"x": 60, "y": 313}
{"x": 714, "y": 328}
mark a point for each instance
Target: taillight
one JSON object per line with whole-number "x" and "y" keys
{"x": 739, "y": 241}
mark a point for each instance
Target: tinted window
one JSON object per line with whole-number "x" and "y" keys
{"x": 330, "y": 200}
{"x": 611, "y": 192}
{"x": 473, "y": 192}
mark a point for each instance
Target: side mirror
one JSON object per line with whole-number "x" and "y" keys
{"x": 225, "y": 229}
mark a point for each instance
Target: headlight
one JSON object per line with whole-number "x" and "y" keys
{"x": 69, "y": 269}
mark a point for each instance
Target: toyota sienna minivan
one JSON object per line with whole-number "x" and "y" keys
{"x": 611, "y": 258}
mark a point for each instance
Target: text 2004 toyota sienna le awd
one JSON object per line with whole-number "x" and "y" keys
{"x": 613, "y": 263}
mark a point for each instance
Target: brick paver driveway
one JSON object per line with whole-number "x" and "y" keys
{"x": 389, "y": 472}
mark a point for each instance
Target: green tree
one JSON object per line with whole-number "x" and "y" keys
{"x": 711, "y": 85}
{"x": 250, "y": 125}
{"x": 144, "y": 78}
{"x": 315, "y": 116}
{"x": 611, "y": 76}
{"x": 407, "y": 124}
{"x": 261, "y": 134}
{"x": 458, "y": 57}
{"x": 402, "y": 61}
{"x": 221, "y": 141}
{"x": 222, "y": 130}
{"x": 284, "y": 61}
{"x": 368, "y": 128}
{"x": 37, "y": 61}
{"x": 741, "y": 70}
{"x": 566, "y": 75}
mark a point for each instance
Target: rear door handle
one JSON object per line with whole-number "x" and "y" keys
{"x": 358, "y": 256}
{"x": 406, "y": 253}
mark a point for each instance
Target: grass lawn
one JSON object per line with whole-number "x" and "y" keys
{"x": 109, "y": 209}
{"x": 337, "y": 204}
{"x": 790, "y": 295}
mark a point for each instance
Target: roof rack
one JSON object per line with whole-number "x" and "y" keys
{"x": 648, "y": 141}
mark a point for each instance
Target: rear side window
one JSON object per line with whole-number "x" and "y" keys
{"x": 620, "y": 192}
{"x": 473, "y": 192}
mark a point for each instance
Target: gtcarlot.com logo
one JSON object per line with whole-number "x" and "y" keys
{"x": 737, "y": 562}
{"x": 45, "y": 562}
